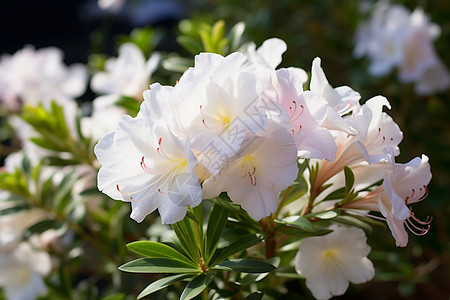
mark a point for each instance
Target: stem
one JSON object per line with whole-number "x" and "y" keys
{"x": 267, "y": 226}
{"x": 308, "y": 207}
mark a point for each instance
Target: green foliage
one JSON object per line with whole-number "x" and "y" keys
{"x": 54, "y": 134}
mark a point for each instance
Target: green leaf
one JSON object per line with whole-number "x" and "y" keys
{"x": 158, "y": 265}
{"x": 245, "y": 265}
{"x": 40, "y": 227}
{"x": 190, "y": 44}
{"x": 130, "y": 104}
{"x": 298, "y": 222}
{"x": 353, "y": 221}
{"x": 115, "y": 297}
{"x": 162, "y": 283}
{"x": 216, "y": 224}
{"x": 62, "y": 199}
{"x": 324, "y": 215}
{"x": 157, "y": 250}
{"x": 177, "y": 64}
{"x": 57, "y": 161}
{"x": 349, "y": 179}
{"x": 237, "y": 246}
{"x": 14, "y": 209}
{"x": 197, "y": 285}
{"x": 189, "y": 240}
{"x": 255, "y": 296}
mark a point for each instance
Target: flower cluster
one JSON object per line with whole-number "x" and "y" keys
{"x": 236, "y": 124}
{"x": 285, "y": 159}
{"x": 394, "y": 37}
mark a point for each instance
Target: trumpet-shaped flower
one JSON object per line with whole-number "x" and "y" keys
{"x": 312, "y": 140}
{"x": 146, "y": 164}
{"x": 330, "y": 262}
{"x": 376, "y": 140}
{"x": 128, "y": 74}
{"x": 220, "y": 106}
{"x": 265, "y": 165}
{"x": 22, "y": 272}
{"x": 342, "y": 99}
{"x": 403, "y": 185}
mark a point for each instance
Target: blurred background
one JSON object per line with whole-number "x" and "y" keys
{"x": 310, "y": 28}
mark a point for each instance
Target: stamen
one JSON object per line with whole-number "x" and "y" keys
{"x": 160, "y": 149}
{"x": 203, "y": 117}
{"x": 149, "y": 170}
{"x": 422, "y": 231}
{"x": 299, "y": 129}
{"x": 426, "y": 222}
{"x": 293, "y": 119}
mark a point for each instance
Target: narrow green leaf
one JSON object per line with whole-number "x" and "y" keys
{"x": 298, "y": 222}
{"x": 130, "y": 104}
{"x": 161, "y": 283}
{"x": 14, "y": 209}
{"x": 216, "y": 224}
{"x": 218, "y": 31}
{"x": 197, "y": 285}
{"x": 177, "y": 64}
{"x": 157, "y": 250}
{"x": 57, "y": 161}
{"x": 255, "y": 296}
{"x": 237, "y": 246}
{"x": 62, "y": 197}
{"x": 190, "y": 44}
{"x": 119, "y": 296}
{"x": 158, "y": 265}
{"x": 190, "y": 242}
{"x": 337, "y": 194}
{"x": 245, "y": 265}
{"x": 324, "y": 215}
{"x": 352, "y": 221}
{"x": 40, "y": 227}
{"x": 349, "y": 179}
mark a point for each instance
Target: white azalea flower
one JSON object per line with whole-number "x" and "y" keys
{"x": 343, "y": 99}
{"x": 312, "y": 140}
{"x": 268, "y": 54}
{"x": 146, "y": 164}
{"x": 381, "y": 38}
{"x": 264, "y": 166}
{"x": 330, "y": 262}
{"x": 377, "y": 138}
{"x": 33, "y": 76}
{"x": 403, "y": 185}
{"x": 219, "y": 107}
{"x": 13, "y": 226}
{"x": 394, "y": 37}
{"x": 22, "y": 272}
{"x": 104, "y": 117}
{"x": 406, "y": 185}
{"x": 128, "y": 74}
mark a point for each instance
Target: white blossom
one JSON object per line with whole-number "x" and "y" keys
{"x": 128, "y": 74}
{"x": 331, "y": 261}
